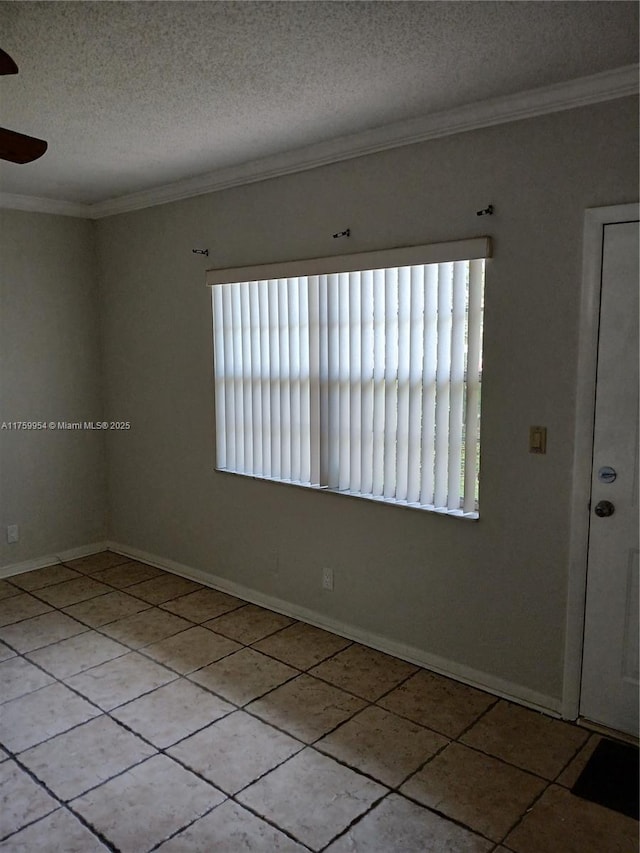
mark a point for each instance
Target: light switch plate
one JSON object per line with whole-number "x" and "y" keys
{"x": 537, "y": 439}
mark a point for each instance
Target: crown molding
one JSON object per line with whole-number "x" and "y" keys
{"x": 33, "y": 204}
{"x": 583, "y": 91}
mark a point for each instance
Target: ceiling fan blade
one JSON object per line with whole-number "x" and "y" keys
{"x": 7, "y": 65}
{"x": 19, "y": 148}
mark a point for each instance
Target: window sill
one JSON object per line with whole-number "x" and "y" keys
{"x": 443, "y": 511}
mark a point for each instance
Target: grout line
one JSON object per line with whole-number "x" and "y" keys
{"x": 357, "y": 819}
{"x": 351, "y": 693}
{"x": 185, "y": 827}
{"x": 282, "y": 830}
{"x": 69, "y": 565}
{"x": 570, "y": 761}
{"x": 126, "y": 651}
{"x": 245, "y": 705}
{"x": 447, "y": 817}
{"x": 234, "y": 639}
{"x": 54, "y": 809}
{"x": 504, "y": 762}
{"x": 188, "y": 768}
{"x": 26, "y": 618}
{"x": 395, "y": 789}
{"x": 67, "y": 802}
{"x": 414, "y": 722}
{"x": 103, "y": 624}
{"x": 26, "y": 652}
{"x": 233, "y": 796}
{"x": 310, "y": 745}
{"x": 474, "y": 722}
{"x": 198, "y": 774}
{"x": 314, "y": 744}
{"x": 62, "y": 804}
{"x": 305, "y": 670}
{"x": 524, "y": 814}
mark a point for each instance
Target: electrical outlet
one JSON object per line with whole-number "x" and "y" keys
{"x": 327, "y": 579}
{"x": 13, "y": 533}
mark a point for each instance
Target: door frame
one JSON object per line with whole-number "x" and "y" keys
{"x": 594, "y": 221}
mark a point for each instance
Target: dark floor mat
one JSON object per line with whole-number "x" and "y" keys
{"x": 610, "y": 778}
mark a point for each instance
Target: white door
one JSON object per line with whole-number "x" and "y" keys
{"x": 609, "y": 692}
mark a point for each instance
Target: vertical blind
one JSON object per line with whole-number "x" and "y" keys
{"x": 364, "y": 381}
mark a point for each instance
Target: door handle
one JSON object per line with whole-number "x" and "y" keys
{"x": 604, "y": 509}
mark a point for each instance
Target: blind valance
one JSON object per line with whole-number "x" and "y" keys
{"x": 475, "y": 248}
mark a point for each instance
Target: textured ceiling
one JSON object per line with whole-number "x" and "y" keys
{"x": 135, "y": 95}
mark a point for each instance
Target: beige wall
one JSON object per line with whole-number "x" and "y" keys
{"x": 52, "y": 483}
{"x": 488, "y": 597}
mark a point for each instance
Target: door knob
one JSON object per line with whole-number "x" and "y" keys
{"x": 604, "y": 509}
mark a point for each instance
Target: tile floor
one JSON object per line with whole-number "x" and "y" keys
{"x": 141, "y": 711}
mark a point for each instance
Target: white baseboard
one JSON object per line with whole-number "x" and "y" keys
{"x": 467, "y": 675}
{"x": 51, "y": 559}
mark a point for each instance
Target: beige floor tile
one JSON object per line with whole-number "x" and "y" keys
{"x": 96, "y": 562}
{"x": 312, "y": 797}
{"x": 562, "y": 823}
{"x": 570, "y": 774}
{"x": 19, "y": 607}
{"x": 483, "y": 793}
{"x": 21, "y": 798}
{"x": 118, "y": 681}
{"x": 302, "y": 645}
{"x": 84, "y": 757}
{"x": 437, "y": 702}
{"x": 6, "y": 652}
{"x": 59, "y": 832}
{"x": 146, "y": 627}
{"x": 33, "y": 718}
{"x": 235, "y": 751}
{"x": 191, "y": 649}
{"x": 19, "y": 677}
{"x": 106, "y": 608}
{"x": 125, "y": 809}
{"x": 40, "y": 578}
{"x": 378, "y": 743}
{"x": 7, "y": 590}
{"x": 203, "y": 605}
{"x": 127, "y": 574}
{"x": 70, "y": 592}
{"x": 41, "y": 631}
{"x": 243, "y": 676}
{"x": 77, "y": 654}
{"x": 172, "y": 712}
{"x": 403, "y": 827}
{"x": 527, "y": 739}
{"x": 230, "y": 829}
{"x": 363, "y": 671}
{"x": 249, "y": 624}
{"x": 163, "y": 588}
{"x": 306, "y": 708}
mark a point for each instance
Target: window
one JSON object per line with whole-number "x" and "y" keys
{"x": 358, "y": 374}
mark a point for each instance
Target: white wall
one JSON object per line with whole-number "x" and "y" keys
{"x": 52, "y": 483}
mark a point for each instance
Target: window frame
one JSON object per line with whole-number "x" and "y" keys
{"x": 478, "y": 248}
